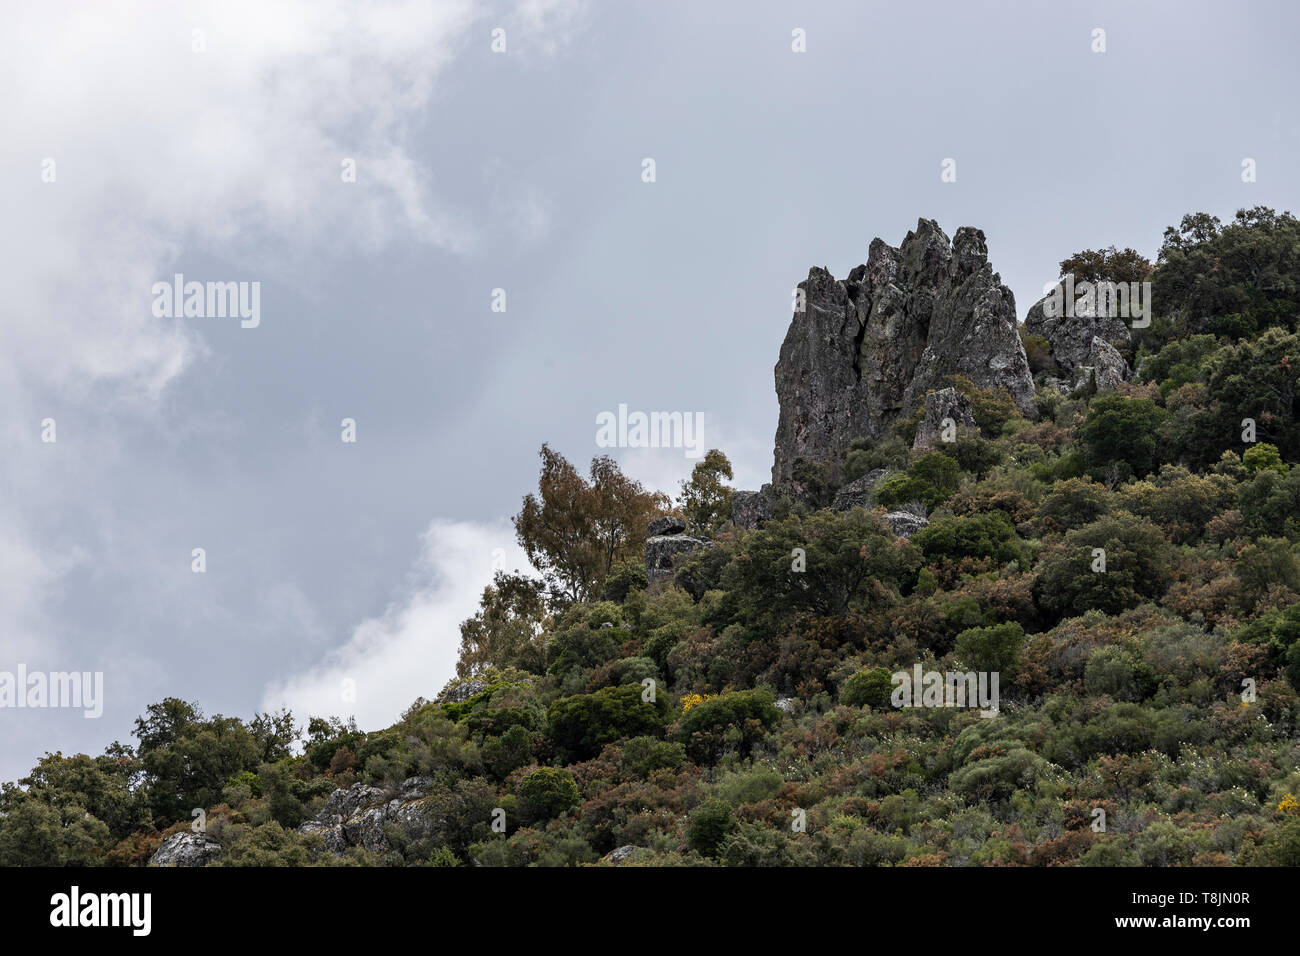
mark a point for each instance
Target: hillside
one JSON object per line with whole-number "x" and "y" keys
{"x": 1096, "y": 519}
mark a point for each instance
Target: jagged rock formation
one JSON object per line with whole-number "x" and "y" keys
{"x": 943, "y": 406}
{"x": 1080, "y": 343}
{"x": 751, "y": 509}
{"x": 662, "y": 550}
{"x": 186, "y": 849}
{"x": 866, "y": 349}
{"x": 358, "y": 815}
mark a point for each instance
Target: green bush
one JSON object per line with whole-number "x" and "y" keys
{"x": 580, "y": 725}
{"x": 868, "y": 688}
{"x": 546, "y": 793}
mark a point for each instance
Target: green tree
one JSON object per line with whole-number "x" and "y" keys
{"x": 574, "y": 530}
{"x": 1124, "y": 433}
{"x": 705, "y": 499}
{"x": 507, "y": 629}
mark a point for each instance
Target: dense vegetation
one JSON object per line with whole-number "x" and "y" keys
{"x": 601, "y": 711}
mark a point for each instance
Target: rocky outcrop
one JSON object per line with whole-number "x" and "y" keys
{"x": 624, "y": 855}
{"x": 669, "y": 524}
{"x": 457, "y": 692}
{"x": 904, "y": 523}
{"x": 751, "y": 509}
{"x": 944, "y": 408}
{"x": 866, "y": 349}
{"x": 186, "y": 849}
{"x": 860, "y": 492}
{"x": 358, "y": 815}
{"x": 663, "y": 550}
{"x": 1081, "y": 339}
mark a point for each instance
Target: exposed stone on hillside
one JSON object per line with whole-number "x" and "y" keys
{"x": 946, "y": 404}
{"x": 669, "y": 524}
{"x": 860, "y": 492}
{"x": 1071, "y": 341}
{"x": 186, "y": 849}
{"x": 625, "y": 854}
{"x": 1105, "y": 361}
{"x": 904, "y": 523}
{"x": 457, "y": 692}
{"x": 663, "y": 550}
{"x": 358, "y": 815}
{"x": 866, "y": 349}
{"x": 751, "y": 509}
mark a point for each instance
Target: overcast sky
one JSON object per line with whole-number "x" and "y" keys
{"x": 136, "y": 148}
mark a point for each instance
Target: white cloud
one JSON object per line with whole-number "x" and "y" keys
{"x": 410, "y": 650}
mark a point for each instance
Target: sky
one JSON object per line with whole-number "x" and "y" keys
{"x": 391, "y": 175}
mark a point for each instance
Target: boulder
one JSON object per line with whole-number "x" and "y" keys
{"x": 186, "y": 849}
{"x": 662, "y": 552}
{"x": 460, "y": 691}
{"x": 904, "y": 523}
{"x": 624, "y": 854}
{"x": 860, "y": 492}
{"x": 669, "y": 524}
{"x": 941, "y": 407}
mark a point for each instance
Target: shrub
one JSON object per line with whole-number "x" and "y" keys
{"x": 708, "y": 826}
{"x": 868, "y": 688}
{"x": 546, "y": 793}
{"x": 580, "y": 725}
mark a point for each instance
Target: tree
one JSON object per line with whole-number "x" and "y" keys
{"x": 1107, "y": 265}
{"x": 574, "y": 530}
{"x": 825, "y": 563}
{"x": 507, "y": 629}
{"x": 580, "y": 725}
{"x": 1113, "y": 564}
{"x": 275, "y": 734}
{"x": 705, "y": 500}
{"x": 993, "y": 649}
{"x": 188, "y": 758}
{"x": 1123, "y": 432}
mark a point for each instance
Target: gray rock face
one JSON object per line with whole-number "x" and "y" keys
{"x": 866, "y": 349}
{"x": 860, "y": 492}
{"x": 947, "y": 404}
{"x": 186, "y": 849}
{"x": 624, "y": 854}
{"x": 751, "y": 509}
{"x": 358, "y": 815}
{"x": 669, "y": 524}
{"x": 1106, "y": 363}
{"x": 459, "y": 693}
{"x": 662, "y": 551}
{"x": 904, "y": 523}
{"x": 1070, "y": 336}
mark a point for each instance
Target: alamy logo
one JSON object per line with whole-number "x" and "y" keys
{"x": 71, "y": 689}
{"x": 654, "y": 430}
{"x": 74, "y": 909}
{"x": 1124, "y": 300}
{"x": 922, "y": 688}
{"x": 208, "y": 300}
